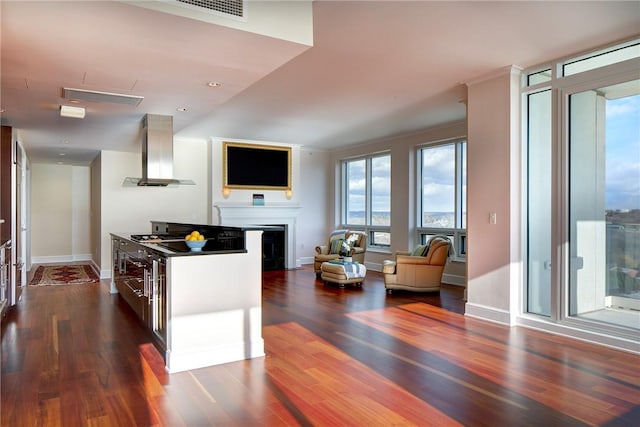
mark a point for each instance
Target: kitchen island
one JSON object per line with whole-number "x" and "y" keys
{"x": 204, "y": 308}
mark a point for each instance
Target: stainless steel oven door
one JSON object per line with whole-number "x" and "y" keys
{"x": 158, "y": 301}
{"x": 132, "y": 277}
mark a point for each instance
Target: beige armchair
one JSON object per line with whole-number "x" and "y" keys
{"x": 325, "y": 253}
{"x": 419, "y": 273}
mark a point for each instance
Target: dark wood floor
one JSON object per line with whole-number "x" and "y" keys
{"x": 75, "y": 356}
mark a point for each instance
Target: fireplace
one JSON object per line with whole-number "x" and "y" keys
{"x": 273, "y": 248}
{"x": 280, "y": 215}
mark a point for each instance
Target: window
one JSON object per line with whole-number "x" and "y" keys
{"x": 443, "y": 193}
{"x": 583, "y": 192}
{"x": 367, "y": 197}
{"x": 601, "y": 59}
{"x": 539, "y": 77}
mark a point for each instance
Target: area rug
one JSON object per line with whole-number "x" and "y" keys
{"x": 46, "y": 275}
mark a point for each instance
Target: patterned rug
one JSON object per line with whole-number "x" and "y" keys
{"x": 63, "y": 275}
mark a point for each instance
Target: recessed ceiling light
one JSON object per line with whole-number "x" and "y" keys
{"x": 62, "y": 154}
{"x": 181, "y": 109}
{"x": 214, "y": 84}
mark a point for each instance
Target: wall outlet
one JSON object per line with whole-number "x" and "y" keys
{"x": 492, "y": 218}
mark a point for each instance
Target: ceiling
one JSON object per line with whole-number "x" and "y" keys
{"x": 375, "y": 70}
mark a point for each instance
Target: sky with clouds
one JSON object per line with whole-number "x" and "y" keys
{"x": 623, "y": 153}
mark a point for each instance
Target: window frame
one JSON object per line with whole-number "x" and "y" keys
{"x": 562, "y": 86}
{"x": 457, "y": 234}
{"x": 368, "y": 228}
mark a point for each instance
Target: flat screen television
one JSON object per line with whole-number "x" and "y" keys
{"x": 254, "y": 166}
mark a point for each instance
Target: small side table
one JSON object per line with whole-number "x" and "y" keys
{"x": 343, "y": 273}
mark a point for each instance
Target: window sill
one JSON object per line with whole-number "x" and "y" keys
{"x": 378, "y": 250}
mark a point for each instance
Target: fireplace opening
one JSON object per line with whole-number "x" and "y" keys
{"x": 273, "y": 248}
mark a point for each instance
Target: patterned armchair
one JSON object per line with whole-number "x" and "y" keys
{"x": 421, "y": 270}
{"x": 332, "y": 250}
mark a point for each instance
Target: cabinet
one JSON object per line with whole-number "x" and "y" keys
{"x": 4, "y": 285}
{"x": 6, "y": 181}
{"x": 12, "y": 214}
{"x": 7, "y": 290}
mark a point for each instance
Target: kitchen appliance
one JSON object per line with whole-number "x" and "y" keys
{"x": 157, "y": 154}
{"x": 155, "y": 238}
{"x": 139, "y": 275}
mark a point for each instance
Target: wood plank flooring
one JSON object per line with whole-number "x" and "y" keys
{"x": 76, "y": 356}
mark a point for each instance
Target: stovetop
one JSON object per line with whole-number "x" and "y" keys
{"x": 154, "y": 238}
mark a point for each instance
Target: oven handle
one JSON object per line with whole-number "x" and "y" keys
{"x": 135, "y": 290}
{"x": 146, "y": 282}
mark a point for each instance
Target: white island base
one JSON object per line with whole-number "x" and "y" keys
{"x": 214, "y": 307}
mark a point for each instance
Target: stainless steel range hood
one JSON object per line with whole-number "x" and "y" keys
{"x": 157, "y": 154}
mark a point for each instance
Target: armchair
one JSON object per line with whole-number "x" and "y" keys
{"x": 418, "y": 272}
{"x": 331, "y": 250}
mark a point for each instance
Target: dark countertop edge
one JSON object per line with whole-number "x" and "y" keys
{"x": 169, "y": 253}
{"x": 237, "y": 227}
{"x": 261, "y": 227}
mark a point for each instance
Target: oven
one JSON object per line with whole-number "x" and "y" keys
{"x": 139, "y": 275}
{"x": 158, "y": 300}
{"x": 132, "y": 275}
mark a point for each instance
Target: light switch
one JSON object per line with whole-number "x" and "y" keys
{"x": 492, "y": 218}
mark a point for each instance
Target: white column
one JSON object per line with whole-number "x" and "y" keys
{"x": 494, "y": 257}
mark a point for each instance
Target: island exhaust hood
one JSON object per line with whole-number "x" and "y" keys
{"x": 157, "y": 154}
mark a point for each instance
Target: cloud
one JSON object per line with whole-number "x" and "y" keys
{"x": 439, "y": 198}
{"x": 622, "y": 185}
{"x": 623, "y": 106}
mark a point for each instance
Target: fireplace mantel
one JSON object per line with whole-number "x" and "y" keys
{"x": 238, "y": 215}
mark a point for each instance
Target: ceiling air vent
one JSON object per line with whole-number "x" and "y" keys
{"x": 97, "y": 96}
{"x": 226, "y": 7}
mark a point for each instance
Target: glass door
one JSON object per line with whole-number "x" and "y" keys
{"x": 604, "y": 205}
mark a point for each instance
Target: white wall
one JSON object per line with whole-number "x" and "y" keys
{"x": 60, "y": 197}
{"x": 81, "y": 211}
{"x": 493, "y": 176}
{"x": 131, "y": 209}
{"x": 244, "y": 197}
{"x": 310, "y": 180}
{"x": 95, "y": 215}
{"x": 313, "y": 192}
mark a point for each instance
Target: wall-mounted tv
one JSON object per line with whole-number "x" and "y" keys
{"x": 254, "y": 166}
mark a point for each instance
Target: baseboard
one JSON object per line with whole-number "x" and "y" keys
{"x": 105, "y": 273}
{"x": 373, "y": 266}
{"x": 305, "y": 260}
{"x": 60, "y": 258}
{"x": 490, "y": 314}
{"x": 453, "y": 279}
{"x": 604, "y": 339}
{"x": 186, "y": 361}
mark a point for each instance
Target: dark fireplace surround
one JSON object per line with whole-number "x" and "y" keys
{"x": 273, "y": 247}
